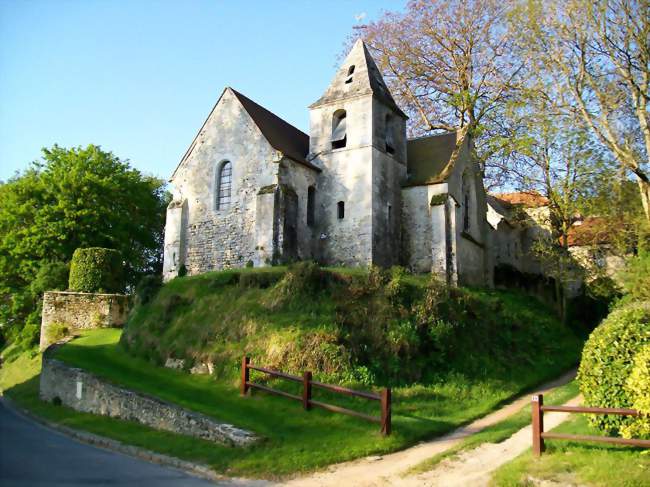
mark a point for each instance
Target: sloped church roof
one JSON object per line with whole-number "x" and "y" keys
{"x": 282, "y": 136}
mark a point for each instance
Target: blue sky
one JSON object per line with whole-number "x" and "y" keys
{"x": 139, "y": 77}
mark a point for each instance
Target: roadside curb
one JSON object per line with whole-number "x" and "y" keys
{"x": 196, "y": 469}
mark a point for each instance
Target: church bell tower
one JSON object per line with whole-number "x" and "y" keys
{"x": 358, "y": 138}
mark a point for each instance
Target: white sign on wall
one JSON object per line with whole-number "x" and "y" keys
{"x": 79, "y": 389}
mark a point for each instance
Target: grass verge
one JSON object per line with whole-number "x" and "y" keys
{"x": 295, "y": 441}
{"x": 500, "y": 431}
{"x": 578, "y": 463}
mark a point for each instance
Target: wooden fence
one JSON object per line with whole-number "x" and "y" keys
{"x": 538, "y": 425}
{"x": 308, "y": 384}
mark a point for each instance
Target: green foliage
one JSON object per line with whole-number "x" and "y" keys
{"x": 261, "y": 280}
{"x": 370, "y": 326}
{"x": 638, "y": 388}
{"x": 295, "y": 441}
{"x": 57, "y": 331}
{"x": 96, "y": 269}
{"x": 147, "y": 289}
{"x": 607, "y": 362}
{"x": 576, "y": 463}
{"x": 72, "y": 198}
{"x": 51, "y": 276}
{"x": 636, "y": 277}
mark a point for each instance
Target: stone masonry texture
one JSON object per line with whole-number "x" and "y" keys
{"x": 79, "y": 311}
{"x": 85, "y": 392}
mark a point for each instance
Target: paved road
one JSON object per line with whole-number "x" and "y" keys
{"x": 33, "y": 456}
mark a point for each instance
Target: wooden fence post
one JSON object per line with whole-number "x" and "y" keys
{"x": 385, "y": 412}
{"x": 306, "y": 390}
{"x": 245, "y": 375}
{"x": 538, "y": 424}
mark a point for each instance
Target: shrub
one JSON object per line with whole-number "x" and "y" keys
{"x": 636, "y": 277}
{"x": 57, "y": 331}
{"x": 51, "y": 276}
{"x": 607, "y": 361}
{"x": 147, "y": 289}
{"x": 261, "y": 280}
{"x": 638, "y": 387}
{"x": 96, "y": 269}
{"x": 302, "y": 279}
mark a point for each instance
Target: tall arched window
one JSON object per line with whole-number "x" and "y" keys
{"x": 465, "y": 188}
{"x": 390, "y": 139}
{"x": 311, "y": 205}
{"x": 340, "y": 206}
{"x": 339, "y": 130}
{"x": 224, "y": 186}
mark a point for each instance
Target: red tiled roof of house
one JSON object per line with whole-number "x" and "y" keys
{"x": 529, "y": 200}
{"x": 593, "y": 230}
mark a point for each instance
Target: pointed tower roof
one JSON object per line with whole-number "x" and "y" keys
{"x": 358, "y": 75}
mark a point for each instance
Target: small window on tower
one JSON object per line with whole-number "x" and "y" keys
{"x": 350, "y": 73}
{"x": 339, "y": 130}
{"x": 341, "y": 209}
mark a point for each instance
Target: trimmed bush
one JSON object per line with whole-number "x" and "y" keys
{"x": 608, "y": 360}
{"x": 638, "y": 387}
{"x": 96, "y": 269}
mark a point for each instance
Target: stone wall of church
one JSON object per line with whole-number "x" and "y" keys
{"x": 346, "y": 178}
{"x": 426, "y": 224}
{"x": 221, "y": 238}
{"x": 387, "y": 176}
{"x": 300, "y": 178}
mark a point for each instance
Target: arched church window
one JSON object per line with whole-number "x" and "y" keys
{"x": 350, "y": 73}
{"x": 339, "y": 130}
{"x": 389, "y": 135}
{"x": 341, "y": 209}
{"x": 311, "y": 205}
{"x": 224, "y": 186}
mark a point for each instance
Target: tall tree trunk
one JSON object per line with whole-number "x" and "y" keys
{"x": 644, "y": 189}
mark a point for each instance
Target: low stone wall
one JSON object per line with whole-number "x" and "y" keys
{"x": 85, "y": 392}
{"x": 77, "y": 311}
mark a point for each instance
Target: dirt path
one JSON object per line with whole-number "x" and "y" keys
{"x": 475, "y": 467}
{"x": 387, "y": 470}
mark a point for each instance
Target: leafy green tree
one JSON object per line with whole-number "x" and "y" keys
{"x": 78, "y": 197}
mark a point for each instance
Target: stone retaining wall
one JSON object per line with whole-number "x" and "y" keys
{"x": 85, "y": 392}
{"x": 78, "y": 311}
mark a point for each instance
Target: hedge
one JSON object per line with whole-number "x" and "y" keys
{"x": 638, "y": 387}
{"x": 608, "y": 360}
{"x": 96, "y": 269}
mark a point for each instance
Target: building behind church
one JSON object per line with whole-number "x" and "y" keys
{"x": 254, "y": 190}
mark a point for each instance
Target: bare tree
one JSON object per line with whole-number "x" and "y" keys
{"x": 592, "y": 61}
{"x": 450, "y": 66}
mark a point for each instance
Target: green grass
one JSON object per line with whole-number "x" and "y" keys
{"x": 450, "y": 355}
{"x": 294, "y": 441}
{"x": 500, "y": 431}
{"x": 582, "y": 463}
{"x": 350, "y": 325}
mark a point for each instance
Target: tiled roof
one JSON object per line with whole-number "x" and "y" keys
{"x": 592, "y": 230}
{"x": 527, "y": 199}
{"x": 282, "y": 136}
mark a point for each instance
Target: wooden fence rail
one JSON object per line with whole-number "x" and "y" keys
{"x": 539, "y": 435}
{"x": 306, "y": 398}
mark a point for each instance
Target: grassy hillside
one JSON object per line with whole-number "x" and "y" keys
{"x": 451, "y": 355}
{"x": 350, "y": 325}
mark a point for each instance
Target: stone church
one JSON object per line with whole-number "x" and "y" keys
{"x": 254, "y": 190}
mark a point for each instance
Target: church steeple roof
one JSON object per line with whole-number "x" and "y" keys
{"x": 358, "y": 75}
